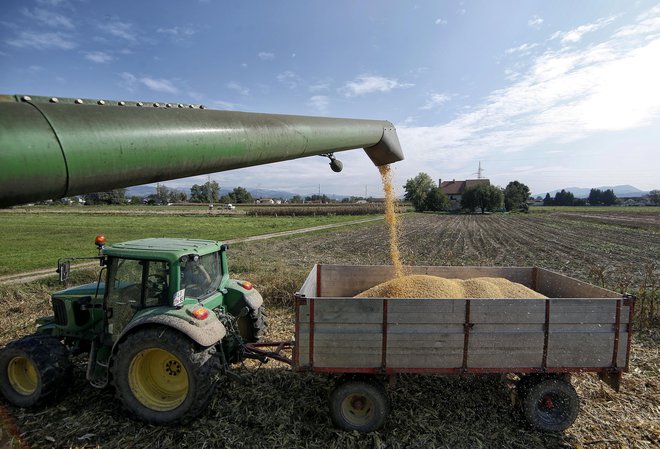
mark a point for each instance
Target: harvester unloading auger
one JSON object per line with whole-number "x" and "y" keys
{"x": 56, "y": 147}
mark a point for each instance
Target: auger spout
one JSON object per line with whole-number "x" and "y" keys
{"x": 57, "y": 147}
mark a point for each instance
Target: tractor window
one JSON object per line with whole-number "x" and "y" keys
{"x": 201, "y": 278}
{"x": 135, "y": 284}
{"x": 157, "y": 284}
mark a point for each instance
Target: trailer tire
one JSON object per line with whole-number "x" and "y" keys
{"x": 359, "y": 405}
{"x": 550, "y": 405}
{"x": 162, "y": 377}
{"x": 33, "y": 370}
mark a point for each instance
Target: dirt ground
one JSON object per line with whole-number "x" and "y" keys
{"x": 274, "y": 407}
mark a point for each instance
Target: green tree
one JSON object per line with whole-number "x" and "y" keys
{"x": 436, "y": 200}
{"x": 515, "y": 196}
{"x": 595, "y": 196}
{"x": 654, "y": 197}
{"x": 136, "y": 200}
{"x": 608, "y": 198}
{"x": 200, "y": 193}
{"x": 482, "y": 196}
{"x": 563, "y": 198}
{"x": 241, "y": 195}
{"x": 547, "y": 201}
{"x": 296, "y": 199}
{"x": 116, "y": 196}
{"x": 417, "y": 189}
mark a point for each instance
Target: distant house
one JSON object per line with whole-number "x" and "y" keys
{"x": 454, "y": 189}
{"x": 265, "y": 201}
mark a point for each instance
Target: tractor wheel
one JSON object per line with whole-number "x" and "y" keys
{"x": 163, "y": 377}
{"x": 359, "y": 405}
{"x": 252, "y": 326}
{"x": 550, "y": 405}
{"x": 33, "y": 370}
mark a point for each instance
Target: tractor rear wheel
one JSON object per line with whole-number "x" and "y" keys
{"x": 163, "y": 377}
{"x": 32, "y": 370}
{"x": 252, "y": 326}
{"x": 360, "y": 405}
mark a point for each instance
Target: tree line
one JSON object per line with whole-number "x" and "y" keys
{"x": 596, "y": 197}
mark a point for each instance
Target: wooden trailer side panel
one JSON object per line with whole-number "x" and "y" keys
{"x": 425, "y": 333}
{"x": 459, "y": 335}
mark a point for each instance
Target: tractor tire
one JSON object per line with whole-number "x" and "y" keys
{"x": 33, "y": 370}
{"x": 360, "y": 405}
{"x": 551, "y": 405}
{"x": 252, "y": 326}
{"x": 162, "y": 377}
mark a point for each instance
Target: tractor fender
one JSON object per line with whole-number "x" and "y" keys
{"x": 205, "y": 332}
{"x": 238, "y": 296}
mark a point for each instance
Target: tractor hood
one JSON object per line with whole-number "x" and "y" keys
{"x": 80, "y": 291}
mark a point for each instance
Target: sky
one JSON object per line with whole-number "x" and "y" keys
{"x": 552, "y": 94}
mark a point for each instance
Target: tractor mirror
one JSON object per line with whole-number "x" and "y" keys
{"x": 63, "y": 269}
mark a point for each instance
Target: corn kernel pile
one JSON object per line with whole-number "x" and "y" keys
{"x": 424, "y": 286}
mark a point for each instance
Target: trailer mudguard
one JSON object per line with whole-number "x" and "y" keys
{"x": 206, "y": 332}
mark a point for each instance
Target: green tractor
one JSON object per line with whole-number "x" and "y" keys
{"x": 163, "y": 325}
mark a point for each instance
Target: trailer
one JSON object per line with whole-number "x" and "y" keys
{"x": 538, "y": 343}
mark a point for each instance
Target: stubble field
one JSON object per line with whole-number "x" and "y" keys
{"x": 274, "y": 407}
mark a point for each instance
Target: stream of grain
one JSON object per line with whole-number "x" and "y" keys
{"x": 390, "y": 217}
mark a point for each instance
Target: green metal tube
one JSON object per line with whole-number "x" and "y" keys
{"x": 51, "y": 148}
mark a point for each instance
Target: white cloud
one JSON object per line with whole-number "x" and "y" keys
{"x": 233, "y": 85}
{"x": 178, "y": 33}
{"x": 366, "y": 84}
{"x": 523, "y": 49}
{"x": 321, "y": 85}
{"x": 48, "y": 18}
{"x": 561, "y": 97}
{"x": 575, "y": 35}
{"x": 227, "y": 105}
{"x": 440, "y": 21}
{"x": 320, "y": 103}
{"x": 159, "y": 84}
{"x": 435, "y": 101}
{"x": 289, "y": 79}
{"x": 131, "y": 82}
{"x": 42, "y": 41}
{"x": 99, "y": 57}
{"x": 122, "y": 30}
{"x": 535, "y": 22}
{"x": 266, "y": 56}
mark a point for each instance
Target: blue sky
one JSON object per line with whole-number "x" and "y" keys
{"x": 553, "y": 94}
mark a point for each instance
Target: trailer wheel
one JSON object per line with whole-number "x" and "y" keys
{"x": 551, "y": 405}
{"x": 359, "y": 405}
{"x": 33, "y": 370}
{"x": 163, "y": 377}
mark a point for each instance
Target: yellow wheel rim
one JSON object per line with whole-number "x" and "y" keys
{"x": 358, "y": 409}
{"x": 158, "y": 379}
{"x": 22, "y": 375}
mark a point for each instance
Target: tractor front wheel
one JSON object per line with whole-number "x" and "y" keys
{"x": 33, "y": 370}
{"x": 163, "y": 377}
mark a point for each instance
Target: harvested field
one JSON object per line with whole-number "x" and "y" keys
{"x": 274, "y": 407}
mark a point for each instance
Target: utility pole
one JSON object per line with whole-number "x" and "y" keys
{"x": 208, "y": 192}
{"x": 480, "y": 172}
